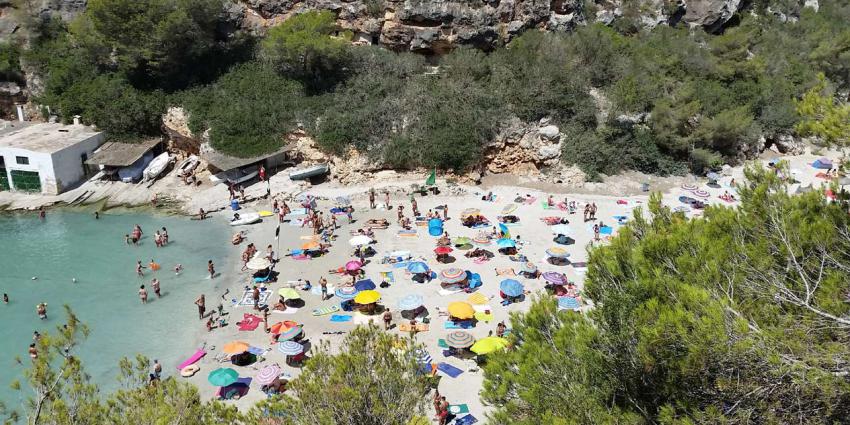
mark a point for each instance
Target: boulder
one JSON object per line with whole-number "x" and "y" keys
{"x": 710, "y": 14}
{"x": 549, "y": 132}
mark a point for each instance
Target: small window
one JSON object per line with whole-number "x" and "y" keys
{"x": 22, "y": 160}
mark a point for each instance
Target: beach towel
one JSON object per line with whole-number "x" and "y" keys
{"x": 482, "y": 308}
{"x": 420, "y": 327}
{"x": 362, "y": 319}
{"x": 458, "y": 409}
{"x": 480, "y": 260}
{"x": 483, "y": 317}
{"x": 477, "y": 298}
{"x": 249, "y": 322}
{"x": 325, "y": 310}
{"x": 529, "y": 200}
{"x": 247, "y": 299}
{"x": 407, "y": 233}
{"x": 289, "y": 310}
{"x": 301, "y": 257}
{"x": 505, "y": 272}
{"x": 317, "y": 289}
{"x": 296, "y": 222}
{"x": 449, "y": 370}
{"x": 466, "y": 420}
{"x": 445, "y": 292}
{"x": 606, "y": 230}
{"x": 442, "y": 343}
{"x": 194, "y": 359}
{"x": 545, "y": 204}
{"x": 458, "y": 325}
{"x": 388, "y": 276}
{"x": 509, "y": 209}
{"x": 551, "y": 220}
{"x": 257, "y": 351}
{"x": 401, "y": 265}
{"x": 342, "y": 318}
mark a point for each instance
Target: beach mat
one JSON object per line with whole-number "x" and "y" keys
{"x": 247, "y": 299}
{"x": 420, "y": 327}
{"x": 466, "y": 420}
{"x": 483, "y": 317}
{"x": 445, "y": 292}
{"x": 449, "y": 370}
{"x": 289, "y": 310}
{"x": 458, "y": 409}
{"x": 458, "y": 325}
{"x": 249, "y": 322}
{"x": 442, "y": 343}
{"x": 325, "y": 310}
{"x": 341, "y": 318}
{"x": 193, "y": 359}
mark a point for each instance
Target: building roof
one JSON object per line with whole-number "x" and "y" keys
{"x": 44, "y": 137}
{"x": 226, "y": 162}
{"x": 116, "y": 154}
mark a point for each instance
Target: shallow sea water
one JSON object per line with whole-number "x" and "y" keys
{"x": 73, "y": 245}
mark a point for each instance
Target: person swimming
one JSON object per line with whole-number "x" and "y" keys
{"x": 41, "y": 310}
{"x": 178, "y": 268}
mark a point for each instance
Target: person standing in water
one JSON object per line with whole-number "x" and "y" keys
{"x": 155, "y": 285}
{"x": 143, "y": 294}
{"x": 164, "y": 236}
{"x": 5, "y": 298}
{"x": 42, "y": 214}
{"x": 41, "y": 310}
{"x": 96, "y": 215}
{"x": 140, "y": 268}
{"x": 211, "y": 268}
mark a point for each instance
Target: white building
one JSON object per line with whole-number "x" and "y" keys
{"x": 45, "y": 157}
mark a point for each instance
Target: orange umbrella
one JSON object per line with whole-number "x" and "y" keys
{"x": 235, "y": 347}
{"x": 280, "y": 327}
{"x": 310, "y": 245}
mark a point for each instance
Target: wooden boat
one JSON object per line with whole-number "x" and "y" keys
{"x": 309, "y": 172}
{"x": 246, "y": 218}
{"x": 134, "y": 171}
{"x": 157, "y": 166}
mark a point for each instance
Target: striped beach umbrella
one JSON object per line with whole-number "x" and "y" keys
{"x": 452, "y": 275}
{"x": 701, "y": 193}
{"x": 290, "y": 348}
{"x": 345, "y": 293}
{"x": 289, "y": 333}
{"x": 689, "y": 186}
{"x": 528, "y": 267}
{"x": 557, "y": 252}
{"x": 268, "y": 374}
{"x": 410, "y": 302}
{"x": 459, "y": 339}
{"x": 482, "y": 240}
{"x": 511, "y": 288}
{"x": 555, "y": 278}
{"x": 568, "y": 303}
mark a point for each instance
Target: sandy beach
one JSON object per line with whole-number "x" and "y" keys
{"x": 535, "y": 236}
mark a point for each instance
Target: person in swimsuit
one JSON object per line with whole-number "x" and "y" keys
{"x": 5, "y": 298}
{"x": 33, "y": 351}
{"x": 143, "y": 294}
{"x": 41, "y": 213}
{"x": 164, "y": 236}
{"x": 202, "y": 306}
{"x": 211, "y": 268}
{"x": 41, "y": 310}
{"x": 140, "y": 268}
{"x": 155, "y": 285}
{"x": 177, "y": 269}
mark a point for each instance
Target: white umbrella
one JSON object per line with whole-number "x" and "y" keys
{"x": 258, "y": 263}
{"x": 360, "y": 240}
{"x": 561, "y": 229}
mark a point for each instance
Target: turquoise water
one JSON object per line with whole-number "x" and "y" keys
{"x": 69, "y": 246}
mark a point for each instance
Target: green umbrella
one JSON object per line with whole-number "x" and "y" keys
{"x": 463, "y": 240}
{"x": 223, "y": 377}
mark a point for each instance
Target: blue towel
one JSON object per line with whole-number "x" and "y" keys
{"x": 605, "y": 230}
{"x": 449, "y": 370}
{"x": 458, "y": 325}
{"x": 403, "y": 264}
{"x": 341, "y": 318}
{"x": 466, "y": 420}
{"x": 256, "y": 351}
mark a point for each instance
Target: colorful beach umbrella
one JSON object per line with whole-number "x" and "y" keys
{"x": 689, "y": 186}
{"x": 442, "y": 250}
{"x": 281, "y": 327}
{"x": 290, "y": 348}
{"x": 462, "y": 240}
{"x": 561, "y": 229}
{"x": 506, "y": 243}
{"x": 511, "y": 287}
{"x": 258, "y": 263}
{"x": 557, "y": 252}
{"x": 489, "y": 345}
{"x": 310, "y": 245}
{"x": 364, "y": 285}
{"x": 459, "y": 339}
{"x": 461, "y": 310}
{"x": 417, "y": 267}
{"x": 701, "y": 193}
{"x": 367, "y": 297}
{"x": 289, "y": 293}
{"x": 568, "y": 303}
{"x": 223, "y": 377}
{"x": 452, "y": 275}
{"x": 235, "y": 347}
{"x": 555, "y": 278}
{"x": 353, "y": 265}
{"x": 289, "y": 333}
{"x": 360, "y": 240}
{"x": 482, "y": 240}
{"x": 528, "y": 267}
{"x": 410, "y": 302}
{"x": 346, "y": 293}
{"x": 267, "y": 375}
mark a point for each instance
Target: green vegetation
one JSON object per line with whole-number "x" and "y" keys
{"x": 10, "y": 62}
{"x": 661, "y": 101}
{"x": 823, "y": 116}
{"x": 737, "y": 317}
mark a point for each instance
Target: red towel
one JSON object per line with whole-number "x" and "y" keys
{"x": 249, "y": 322}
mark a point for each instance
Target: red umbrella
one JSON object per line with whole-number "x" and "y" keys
{"x": 442, "y": 250}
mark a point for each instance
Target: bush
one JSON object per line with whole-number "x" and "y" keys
{"x": 10, "y": 65}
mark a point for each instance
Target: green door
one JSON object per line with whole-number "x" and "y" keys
{"x": 26, "y": 181}
{"x": 4, "y": 180}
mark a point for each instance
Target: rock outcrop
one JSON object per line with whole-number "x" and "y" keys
{"x": 524, "y": 149}
{"x": 10, "y": 15}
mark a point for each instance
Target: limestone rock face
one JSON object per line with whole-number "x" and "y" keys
{"x": 524, "y": 149}
{"x": 711, "y": 14}
{"x": 64, "y": 9}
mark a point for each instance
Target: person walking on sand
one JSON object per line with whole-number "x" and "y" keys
{"x": 387, "y": 200}
{"x": 211, "y": 268}
{"x": 445, "y": 212}
{"x": 350, "y": 213}
{"x": 255, "y": 295}
{"x": 388, "y": 319}
{"x": 155, "y": 285}
{"x": 596, "y": 232}
{"x": 372, "y": 198}
{"x": 201, "y": 302}
{"x": 143, "y": 294}
{"x": 414, "y": 206}
{"x": 324, "y": 284}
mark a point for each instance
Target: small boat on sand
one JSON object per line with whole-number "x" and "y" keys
{"x": 188, "y": 165}
{"x": 309, "y": 172}
{"x": 246, "y": 218}
{"x": 157, "y": 166}
{"x": 133, "y": 172}
{"x": 236, "y": 175}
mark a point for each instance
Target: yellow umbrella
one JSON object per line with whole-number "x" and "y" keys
{"x": 461, "y": 310}
{"x": 488, "y": 345}
{"x": 477, "y": 298}
{"x": 235, "y": 347}
{"x": 289, "y": 293}
{"x": 368, "y": 296}
{"x": 470, "y": 211}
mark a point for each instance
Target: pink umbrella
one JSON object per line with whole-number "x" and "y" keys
{"x": 267, "y": 375}
{"x": 353, "y": 265}
{"x": 555, "y": 278}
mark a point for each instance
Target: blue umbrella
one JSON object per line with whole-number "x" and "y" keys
{"x": 511, "y": 288}
{"x": 290, "y": 348}
{"x": 568, "y": 303}
{"x": 506, "y": 243}
{"x": 345, "y": 293}
{"x": 713, "y": 176}
{"x": 364, "y": 285}
{"x": 410, "y": 302}
{"x": 417, "y": 267}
